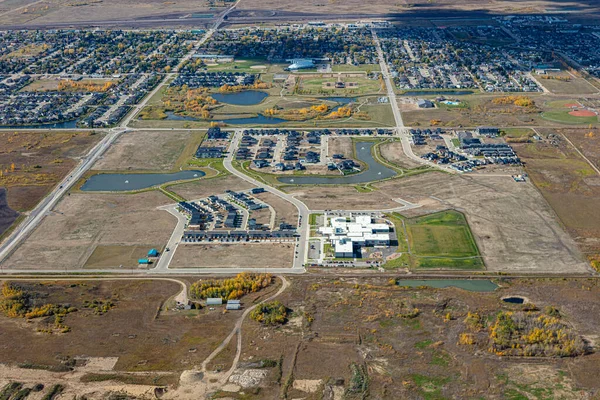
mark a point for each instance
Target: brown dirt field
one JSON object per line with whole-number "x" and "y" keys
{"x": 569, "y": 184}
{"x": 582, "y": 113}
{"x": 284, "y": 210}
{"x": 41, "y": 160}
{"x": 147, "y": 150}
{"x": 69, "y": 235}
{"x": 250, "y": 255}
{"x": 262, "y": 216}
{"x": 207, "y": 187}
{"x": 514, "y": 227}
{"x": 340, "y": 321}
{"x": 571, "y": 105}
{"x": 340, "y": 145}
{"x": 392, "y": 152}
{"x": 115, "y": 256}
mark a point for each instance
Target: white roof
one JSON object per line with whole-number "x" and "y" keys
{"x": 363, "y": 219}
{"x": 377, "y": 236}
{"x": 344, "y": 247}
{"x": 380, "y": 227}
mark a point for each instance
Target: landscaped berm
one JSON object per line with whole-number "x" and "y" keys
{"x": 435, "y": 241}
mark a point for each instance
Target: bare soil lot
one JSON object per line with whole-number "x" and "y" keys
{"x": 70, "y": 233}
{"x": 148, "y": 150}
{"x": 33, "y": 162}
{"x": 207, "y": 187}
{"x": 340, "y": 145}
{"x": 118, "y": 256}
{"x": 262, "y": 216}
{"x": 238, "y": 255}
{"x": 392, "y": 152}
{"x": 285, "y": 212}
{"x": 514, "y": 227}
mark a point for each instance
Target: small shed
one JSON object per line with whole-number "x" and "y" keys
{"x": 233, "y": 305}
{"x": 214, "y": 301}
{"x": 144, "y": 261}
{"x": 153, "y": 253}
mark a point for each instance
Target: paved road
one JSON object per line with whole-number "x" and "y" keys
{"x": 165, "y": 258}
{"x": 300, "y": 256}
{"x": 402, "y": 131}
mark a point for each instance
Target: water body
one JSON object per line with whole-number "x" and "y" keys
{"x": 514, "y": 300}
{"x": 472, "y": 285}
{"x": 437, "y": 92}
{"x": 127, "y": 182}
{"x": 259, "y": 119}
{"x": 171, "y": 116}
{"x": 375, "y": 172}
{"x": 243, "y": 98}
{"x": 57, "y": 125}
{"x": 342, "y": 100}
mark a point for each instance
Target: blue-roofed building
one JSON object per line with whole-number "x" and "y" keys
{"x": 153, "y": 253}
{"x": 143, "y": 261}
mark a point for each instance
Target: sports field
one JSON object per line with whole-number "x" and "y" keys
{"x": 440, "y": 240}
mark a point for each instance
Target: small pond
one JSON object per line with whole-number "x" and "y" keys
{"x": 375, "y": 172}
{"x": 259, "y": 119}
{"x": 243, "y": 98}
{"x": 472, "y": 285}
{"x": 127, "y": 182}
{"x": 514, "y": 300}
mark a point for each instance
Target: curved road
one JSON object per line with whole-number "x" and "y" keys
{"x": 301, "y": 253}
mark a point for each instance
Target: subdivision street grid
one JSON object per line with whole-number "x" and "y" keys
{"x": 300, "y": 258}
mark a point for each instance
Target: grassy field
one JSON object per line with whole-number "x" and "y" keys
{"x": 439, "y": 240}
{"x": 563, "y": 117}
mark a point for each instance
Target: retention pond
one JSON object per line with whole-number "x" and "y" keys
{"x": 127, "y": 182}
{"x": 375, "y": 171}
{"x": 472, "y": 285}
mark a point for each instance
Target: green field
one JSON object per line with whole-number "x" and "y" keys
{"x": 437, "y": 241}
{"x": 564, "y": 117}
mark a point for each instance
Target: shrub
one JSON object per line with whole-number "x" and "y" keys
{"x": 272, "y": 313}
{"x": 233, "y": 288}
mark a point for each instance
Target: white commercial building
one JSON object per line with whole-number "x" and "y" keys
{"x": 349, "y": 234}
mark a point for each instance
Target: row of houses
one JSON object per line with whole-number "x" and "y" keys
{"x": 239, "y": 235}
